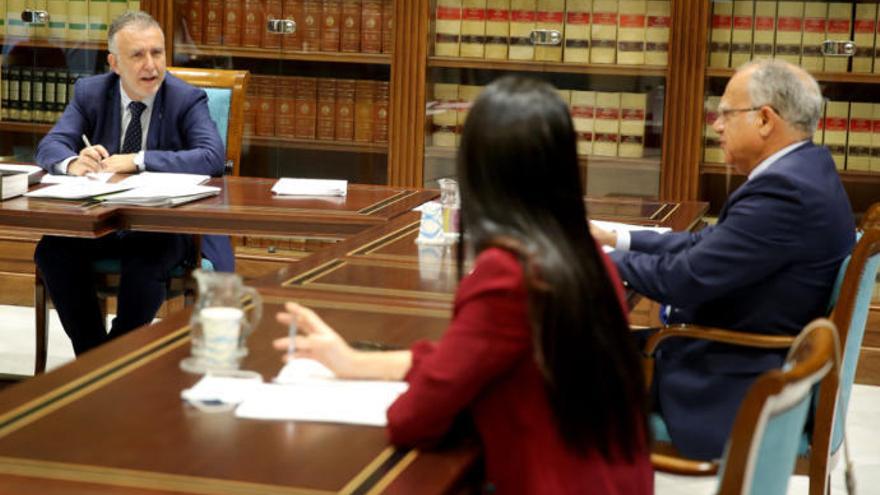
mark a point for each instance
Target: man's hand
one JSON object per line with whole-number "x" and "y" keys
{"x": 120, "y": 164}
{"x": 602, "y": 236}
{"x": 89, "y": 160}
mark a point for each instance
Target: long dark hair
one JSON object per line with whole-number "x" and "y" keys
{"x": 521, "y": 190}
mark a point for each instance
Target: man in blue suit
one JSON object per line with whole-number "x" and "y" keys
{"x": 134, "y": 119}
{"x": 767, "y": 266}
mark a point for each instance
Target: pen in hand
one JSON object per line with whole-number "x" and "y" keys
{"x": 90, "y": 175}
{"x": 86, "y": 141}
{"x": 291, "y": 335}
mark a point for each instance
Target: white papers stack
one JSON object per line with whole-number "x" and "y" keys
{"x": 164, "y": 179}
{"x": 66, "y": 179}
{"x": 310, "y": 187}
{"x": 161, "y": 195}
{"x": 79, "y": 189}
{"x": 617, "y": 227}
{"x": 305, "y": 392}
{"x": 32, "y": 171}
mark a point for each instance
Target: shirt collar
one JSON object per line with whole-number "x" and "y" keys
{"x": 770, "y": 160}
{"x": 126, "y": 100}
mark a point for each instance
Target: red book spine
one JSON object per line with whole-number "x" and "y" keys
{"x": 388, "y": 26}
{"x": 351, "y": 26}
{"x": 326, "y": 108}
{"x": 272, "y": 11}
{"x": 365, "y": 92}
{"x": 213, "y": 34}
{"x": 380, "y": 113}
{"x": 345, "y": 89}
{"x": 293, "y": 9}
{"x": 331, "y": 15}
{"x": 371, "y": 26}
{"x": 232, "y": 23}
{"x": 306, "y": 101}
{"x": 265, "y": 125}
{"x": 251, "y": 106}
{"x": 195, "y": 13}
{"x": 285, "y": 107}
{"x": 253, "y": 18}
{"x": 311, "y": 25}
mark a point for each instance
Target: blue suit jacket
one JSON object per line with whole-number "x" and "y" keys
{"x": 767, "y": 266}
{"x": 181, "y": 137}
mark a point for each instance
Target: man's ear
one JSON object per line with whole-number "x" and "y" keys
{"x": 111, "y": 59}
{"x": 766, "y": 121}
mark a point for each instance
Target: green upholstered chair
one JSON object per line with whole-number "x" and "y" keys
{"x": 763, "y": 446}
{"x": 226, "y": 96}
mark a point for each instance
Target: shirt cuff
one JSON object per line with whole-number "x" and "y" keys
{"x": 623, "y": 240}
{"x": 60, "y": 168}
{"x": 139, "y": 161}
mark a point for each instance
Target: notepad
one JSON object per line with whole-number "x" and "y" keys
{"x": 310, "y": 187}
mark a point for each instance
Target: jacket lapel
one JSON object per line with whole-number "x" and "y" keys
{"x": 156, "y": 117}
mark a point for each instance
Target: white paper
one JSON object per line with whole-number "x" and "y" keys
{"x": 162, "y": 195}
{"x": 224, "y": 389}
{"x": 67, "y": 179}
{"x": 310, "y": 187}
{"x": 164, "y": 179}
{"x": 306, "y": 390}
{"x": 80, "y": 189}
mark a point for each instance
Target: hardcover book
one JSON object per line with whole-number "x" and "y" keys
{"x": 98, "y": 19}
{"x": 380, "y": 112}
{"x": 57, "y": 18}
{"x": 306, "y": 120}
{"x": 864, "y": 27}
{"x": 836, "y": 120}
{"x": 583, "y": 108}
{"x": 272, "y": 9}
{"x": 265, "y": 125}
{"x": 232, "y": 21}
{"x": 719, "y": 36}
{"x": 789, "y": 26}
{"x": 741, "y": 33}
{"x": 326, "y": 108}
{"x": 193, "y": 20}
{"x": 607, "y": 124}
{"x": 473, "y": 28}
{"x": 311, "y": 25}
{"x": 365, "y": 93}
{"x": 497, "y": 28}
{"x": 213, "y": 32}
{"x": 657, "y": 22}
{"x": 443, "y": 115}
{"x": 388, "y": 26}
{"x": 371, "y": 26}
{"x": 603, "y": 35}
{"x": 764, "y": 32}
{"x": 631, "y": 32}
{"x": 838, "y": 28}
{"x": 858, "y": 145}
{"x": 285, "y": 106}
{"x": 77, "y": 20}
{"x": 815, "y": 14}
{"x": 550, "y": 15}
{"x": 577, "y": 31}
{"x": 350, "y": 36}
{"x": 522, "y": 23}
{"x": 293, "y": 9}
{"x": 330, "y": 28}
{"x": 345, "y": 91}
{"x": 632, "y": 125}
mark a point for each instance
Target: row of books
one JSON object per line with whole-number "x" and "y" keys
{"x": 317, "y": 108}
{"x": 363, "y": 26}
{"x": 77, "y": 20}
{"x": 850, "y": 130}
{"x": 743, "y": 30}
{"x": 35, "y": 94}
{"x": 630, "y": 32}
{"x": 607, "y": 124}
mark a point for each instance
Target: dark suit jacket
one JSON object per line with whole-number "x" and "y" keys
{"x": 767, "y": 266}
{"x": 181, "y": 138}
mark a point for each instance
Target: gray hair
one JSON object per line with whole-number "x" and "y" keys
{"x": 140, "y": 19}
{"x": 791, "y": 91}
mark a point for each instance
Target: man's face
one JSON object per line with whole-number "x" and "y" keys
{"x": 139, "y": 61}
{"x": 739, "y": 129}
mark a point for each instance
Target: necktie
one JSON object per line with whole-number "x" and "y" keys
{"x": 132, "y": 142}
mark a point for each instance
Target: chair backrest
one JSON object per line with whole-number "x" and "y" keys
{"x": 763, "y": 445}
{"x": 226, "y": 94}
{"x": 850, "y": 315}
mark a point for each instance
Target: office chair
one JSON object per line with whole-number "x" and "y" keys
{"x": 226, "y": 96}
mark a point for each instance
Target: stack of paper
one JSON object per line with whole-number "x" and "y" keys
{"x": 164, "y": 179}
{"x": 161, "y": 195}
{"x": 310, "y": 187}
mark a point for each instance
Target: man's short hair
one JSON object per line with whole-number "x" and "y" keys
{"x": 791, "y": 91}
{"x": 137, "y": 18}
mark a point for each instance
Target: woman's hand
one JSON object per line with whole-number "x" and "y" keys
{"x": 316, "y": 340}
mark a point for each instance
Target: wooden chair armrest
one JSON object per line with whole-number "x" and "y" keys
{"x": 718, "y": 335}
{"x": 686, "y": 467}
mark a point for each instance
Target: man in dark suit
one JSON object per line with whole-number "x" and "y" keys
{"x": 134, "y": 119}
{"x": 767, "y": 266}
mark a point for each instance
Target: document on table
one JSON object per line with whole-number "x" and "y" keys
{"x": 310, "y": 187}
{"x": 67, "y": 179}
{"x": 79, "y": 189}
{"x": 617, "y": 226}
{"x": 307, "y": 394}
{"x": 164, "y": 179}
{"x": 160, "y": 195}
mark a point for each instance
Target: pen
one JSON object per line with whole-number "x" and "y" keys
{"x": 86, "y": 140}
{"x": 291, "y": 335}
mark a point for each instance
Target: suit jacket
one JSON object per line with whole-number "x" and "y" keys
{"x": 484, "y": 365}
{"x": 181, "y": 137}
{"x": 767, "y": 266}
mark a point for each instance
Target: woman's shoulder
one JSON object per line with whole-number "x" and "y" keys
{"x": 495, "y": 268}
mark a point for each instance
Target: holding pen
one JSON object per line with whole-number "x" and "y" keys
{"x": 92, "y": 175}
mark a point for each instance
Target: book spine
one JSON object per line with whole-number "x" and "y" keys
{"x": 293, "y": 9}
{"x": 839, "y": 27}
{"x": 388, "y": 26}
{"x": 213, "y": 33}
{"x": 25, "y": 101}
{"x": 583, "y": 114}
{"x": 631, "y": 32}
{"x": 15, "y": 93}
{"x": 603, "y": 34}
{"x": 550, "y": 15}
{"x": 763, "y": 35}
{"x": 306, "y": 104}
{"x": 497, "y": 29}
{"x": 41, "y": 31}
{"x": 447, "y": 25}
{"x": 330, "y": 32}
{"x": 57, "y": 18}
{"x": 836, "y": 120}
{"x": 875, "y": 138}
{"x": 443, "y": 118}
{"x": 522, "y": 22}
{"x": 607, "y": 125}
{"x": 864, "y": 27}
{"x": 286, "y": 107}
{"x": 741, "y": 33}
{"x": 350, "y": 37}
{"x": 327, "y": 108}
{"x": 371, "y": 26}
{"x": 78, "y": 15}
{"x": 345, "y": 91}
{"x": 577, "y": 31}
{"x": 789, "y": 26}
{"x": 134, "y": 5}
{"x": 251, "y": 106}
{"x": 4, "y": 92}
{"x": 61, "y": 92}
{"x": 858, "y": 144}
{"x": 115, "y": 9}
{"x": 311, "y": 26}
{"x": 273, "y": 10}
{"x": 815, "y": 14}
{"x": 380, "y": 112}
{"x": 363, "y": 110}
{"x": 232, "y": 22}
{"x": 38, "y": 102}
{"x": 3, "y": 17}
{"x": 265, "y": 125}
{"x": 632, "y": 125}
{"x": 712, "y": 152}
{"x": 193, "y": 18}
{"x": 98, "y": 23}
{"x": 657, "y": 22}
{"x": 473, "y": 28}
{"x": 719, "y": 37}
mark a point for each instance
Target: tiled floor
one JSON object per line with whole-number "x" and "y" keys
{"x": 16, "y": 356}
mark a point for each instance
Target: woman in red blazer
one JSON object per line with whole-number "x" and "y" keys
{"x": 538, "y": 352}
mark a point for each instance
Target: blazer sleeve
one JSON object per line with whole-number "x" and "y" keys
{"x": 648, "y": 241}
{"x": 756, "y": 238}
{"x": 488, "y": 334}
{"x": 65, "y": 138}
{"x": 203, "y": 151}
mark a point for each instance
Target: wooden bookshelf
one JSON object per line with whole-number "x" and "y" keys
{"x": 35, "y": 127}
{"x": 590, "y": 161}
{"x": 848, "y": 176}
{"x": 557, "y": 67}
{"x": 317, "y": 144}
{"x": 53, "y": 43}
{"x": 277, "y": 54}
{"x": 835, "y": 77}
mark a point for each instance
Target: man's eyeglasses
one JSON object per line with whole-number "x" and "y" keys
{"x": 725, "y": 113}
